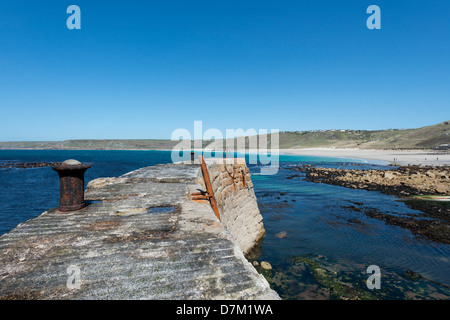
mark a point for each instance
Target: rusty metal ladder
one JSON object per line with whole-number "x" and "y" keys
{"x": 209, "y": 194}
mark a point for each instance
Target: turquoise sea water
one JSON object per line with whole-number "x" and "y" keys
{"x": 325, "y": 226}
{"x": 304, "y": 221}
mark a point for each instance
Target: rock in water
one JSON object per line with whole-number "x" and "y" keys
{"x": 281, "y": 234}
{"x": 265, "y": 265}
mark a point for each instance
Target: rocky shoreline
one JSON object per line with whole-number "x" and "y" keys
{"x": 404, "y": 182}
{"x": 25, "y": 165}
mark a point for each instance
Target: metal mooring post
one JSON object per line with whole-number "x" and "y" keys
{"x": 71, "y": 185}
{"x": 192, "y": 156}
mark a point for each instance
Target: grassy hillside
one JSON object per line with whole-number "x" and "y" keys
{"x": 420, "y": 138}
{"x": 118, "y": 144}
{"x": 106, "y": 144}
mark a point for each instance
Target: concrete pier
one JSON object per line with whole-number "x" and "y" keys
{"x": 139, "y": 237}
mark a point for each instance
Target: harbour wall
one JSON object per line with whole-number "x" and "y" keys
{"x": 233, "y": 189}
{"x": 142, "y": 236}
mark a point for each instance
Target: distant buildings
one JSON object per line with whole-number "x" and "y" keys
{"x": 442, "y": 147}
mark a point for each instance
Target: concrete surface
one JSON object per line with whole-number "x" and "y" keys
{"x": 140, "y": 237}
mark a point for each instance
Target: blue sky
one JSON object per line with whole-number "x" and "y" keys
{"x": 141, "y": 69}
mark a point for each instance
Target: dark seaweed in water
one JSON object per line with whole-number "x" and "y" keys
{"x": 318, "y": 277}
{"x": 341, "y": 232}
{"x": 433, "y": 224}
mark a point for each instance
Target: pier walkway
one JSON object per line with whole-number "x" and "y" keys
{"x": 139, "y": 237}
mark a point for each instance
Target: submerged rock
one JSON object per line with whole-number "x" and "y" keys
{"x": 265, "y": 265}
{"x": 282, "y": 234}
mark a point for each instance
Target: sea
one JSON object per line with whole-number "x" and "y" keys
{"x": 318, "y": 240}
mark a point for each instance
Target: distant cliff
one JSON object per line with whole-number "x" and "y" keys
{"x": 87, "y": 144}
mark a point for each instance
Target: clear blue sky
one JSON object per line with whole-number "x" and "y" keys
{"x": 140, "y": 69}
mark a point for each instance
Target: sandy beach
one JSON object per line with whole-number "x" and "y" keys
{"x": 402, "y": 157}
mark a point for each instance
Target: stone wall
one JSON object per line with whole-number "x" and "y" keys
{"x": 236, "y": 200}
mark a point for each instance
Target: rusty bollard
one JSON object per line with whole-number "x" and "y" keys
{"x": 71, "y": 185}
{"x": 192, "y": 156}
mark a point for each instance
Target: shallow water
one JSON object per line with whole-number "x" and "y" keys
{"x": 327, "y": 224}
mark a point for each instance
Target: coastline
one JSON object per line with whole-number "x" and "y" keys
{"x": 353, "y": 211}
{"x": 402, "y": 157}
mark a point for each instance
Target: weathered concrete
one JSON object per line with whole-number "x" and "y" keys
{"x": 236, "y": 200}
{"x": 141, "y": 237}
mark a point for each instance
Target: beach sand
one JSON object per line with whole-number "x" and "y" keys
{"x": 402, "y": 157}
